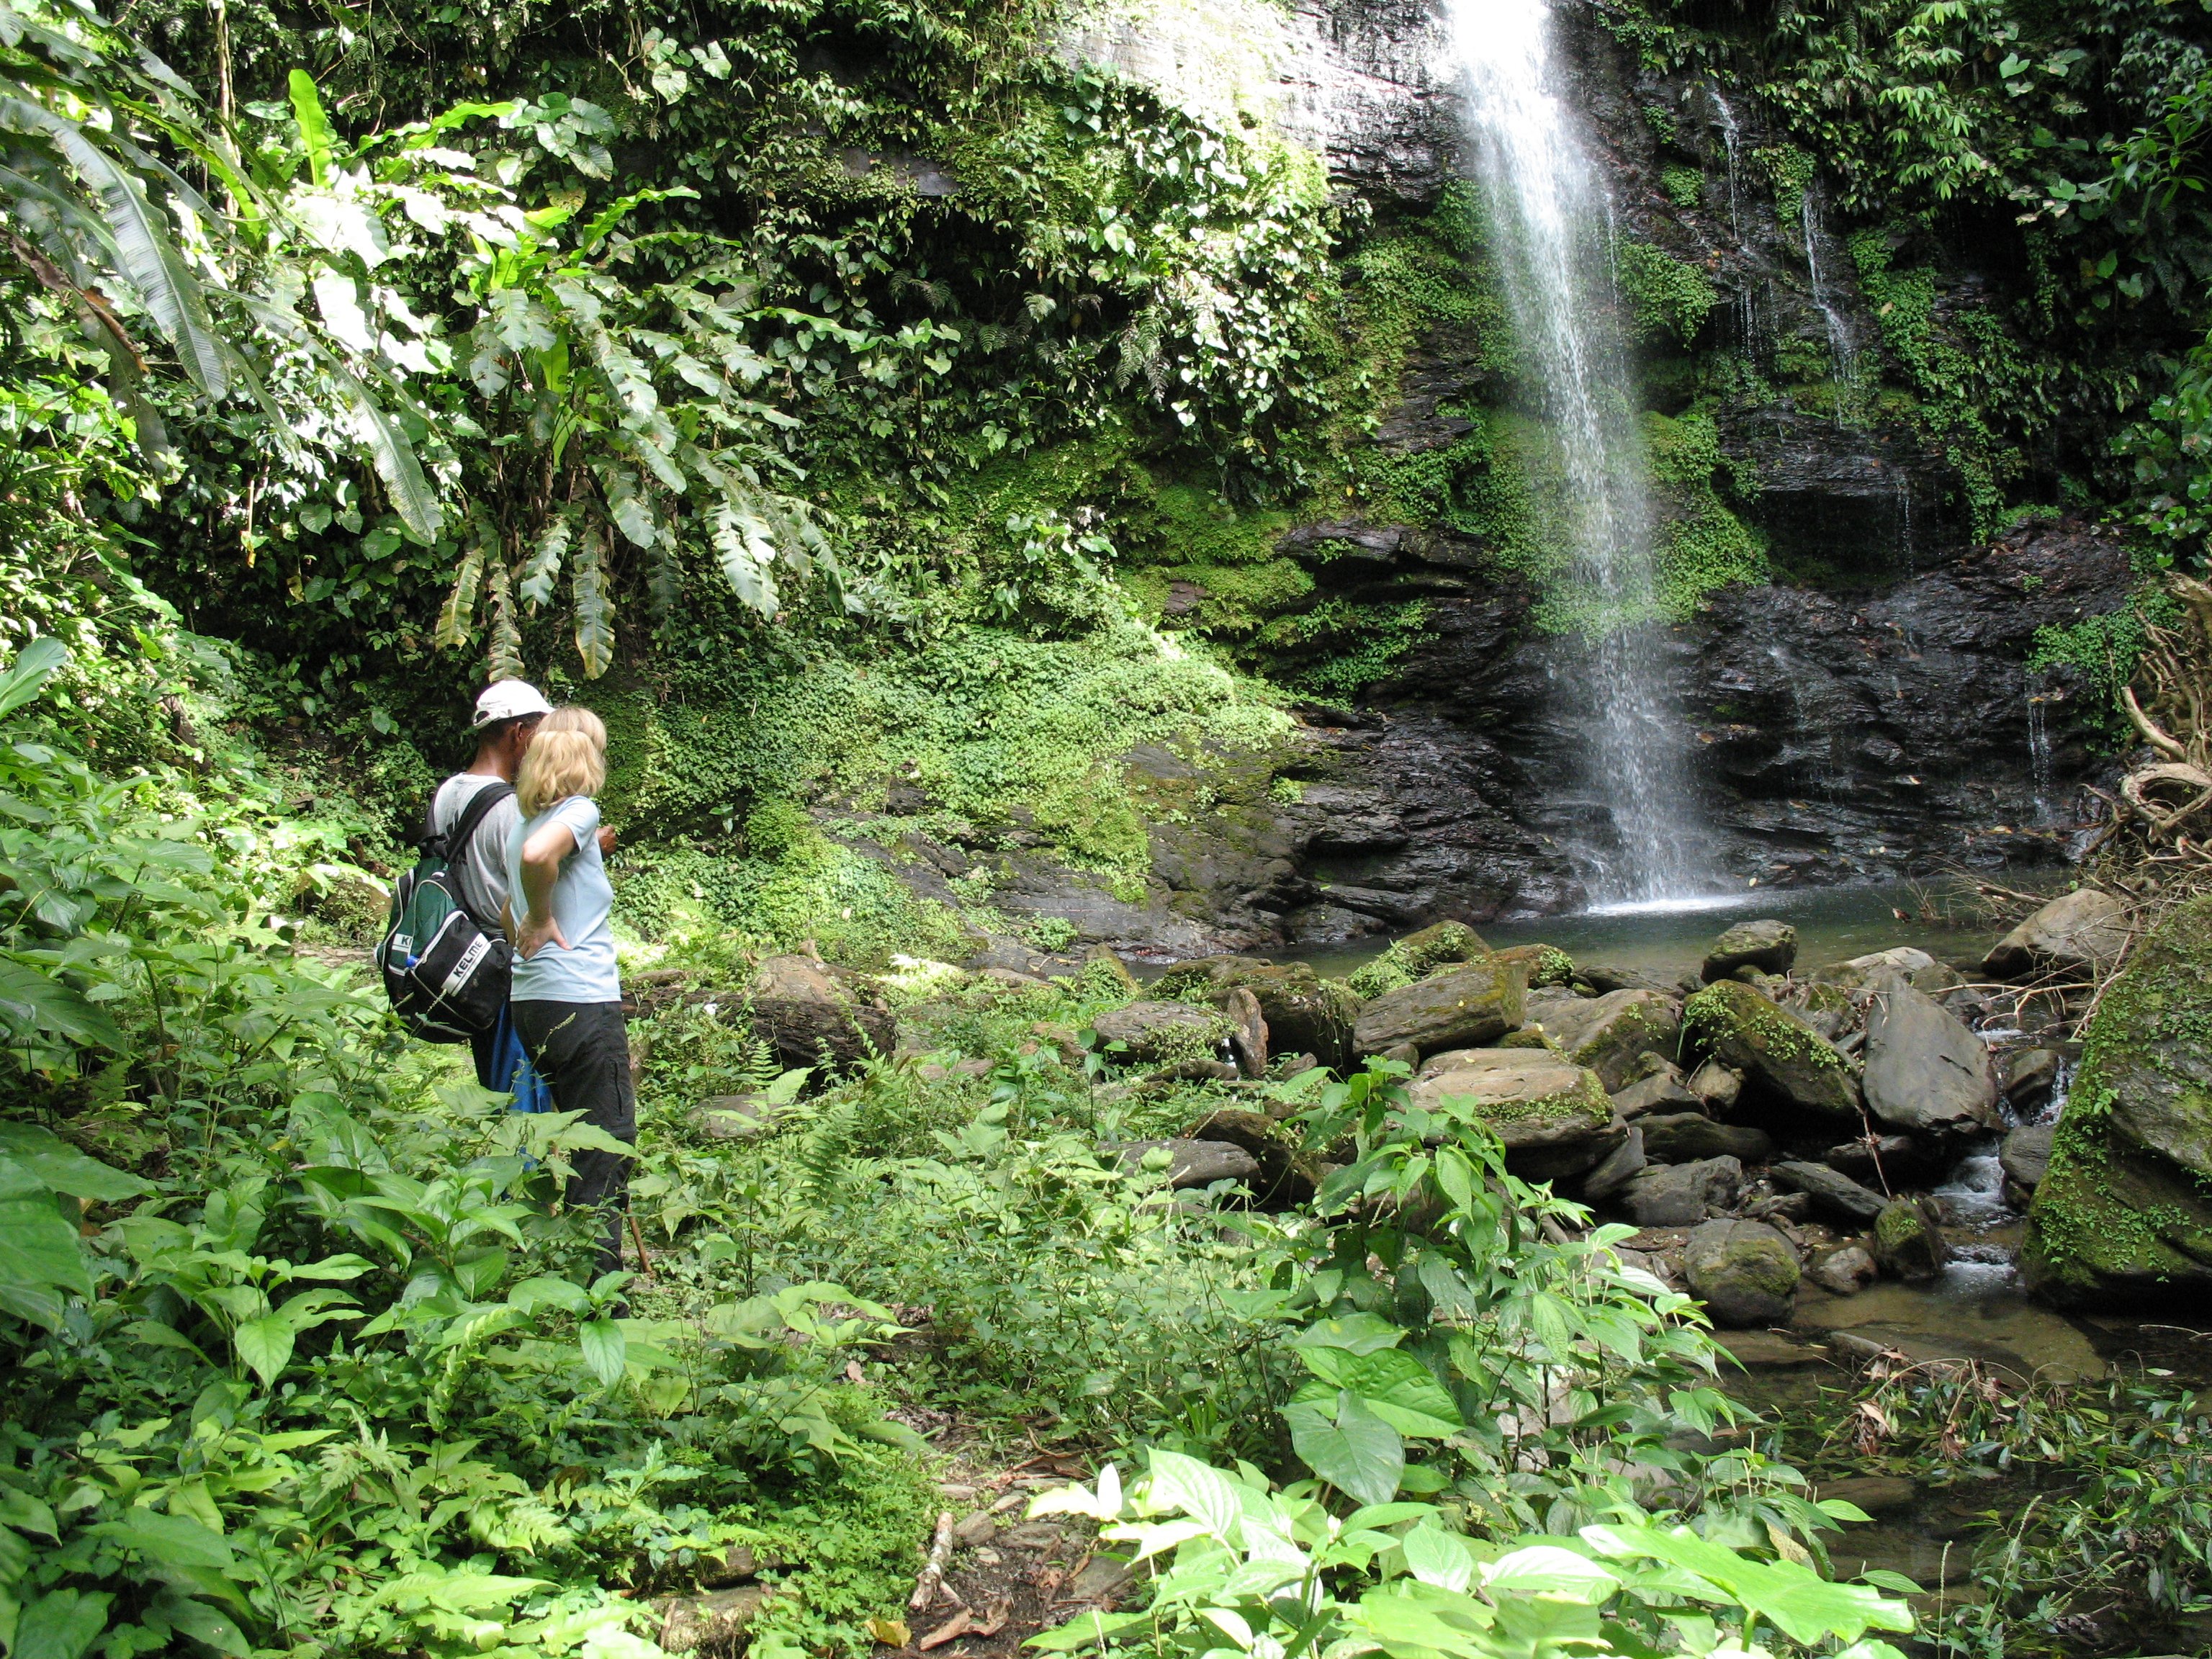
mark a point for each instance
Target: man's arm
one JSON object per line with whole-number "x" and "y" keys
{"x": 542, "y": 855}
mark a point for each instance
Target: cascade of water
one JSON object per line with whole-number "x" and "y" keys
{"x": 1843, "y": 344}
{"x": 1730, "y": 137}
{"x": 2039, "y": 759}
{"x": 1549, "y": 216}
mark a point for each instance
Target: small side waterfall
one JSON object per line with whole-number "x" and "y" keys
{"x": 1550, "y": 220}
{"x": 1843, "y": 342}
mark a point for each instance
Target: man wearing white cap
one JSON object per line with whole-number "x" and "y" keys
{"x": 506, "y": 719}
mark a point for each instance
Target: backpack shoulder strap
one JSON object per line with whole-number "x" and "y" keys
{"x": 451, "y": 845}
{"x": 457, "y": 838}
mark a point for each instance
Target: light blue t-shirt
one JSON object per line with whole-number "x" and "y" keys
{"x": 583, "y": 901}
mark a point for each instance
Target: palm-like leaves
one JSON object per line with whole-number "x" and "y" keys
{"x": 90, "y": 207}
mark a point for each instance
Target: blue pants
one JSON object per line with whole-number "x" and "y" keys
{"x": 504, "y": 1066}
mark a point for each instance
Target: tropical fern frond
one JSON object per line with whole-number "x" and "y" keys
{"x": 542, "y": 568}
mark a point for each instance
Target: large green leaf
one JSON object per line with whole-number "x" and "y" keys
{"x": 62, "y": 1624}
{"x": 1358, "y": 1454}
{"x": 595, "y": 624}
{"x": 41, "y": 1260}
{"x": 28, "y": 675}
{"x": 315, "y": 137}
{"x": 1797, "y": 1600}
{"x": 149, "y": 259}
{"x": 32, "y": 999}
{"x": 60, "y": 1168}
{"x": 1396, "y": 1386}
{"x": 265, "y": 1346}
{"x": 607, "y": 1351}
{"x": 393, "y": 456}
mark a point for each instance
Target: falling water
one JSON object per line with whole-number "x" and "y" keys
{"x": 1730, "y": 138}
{"x": 2039, "y": 759}
{"x": 1549, "y": 216}
{"x": 1843, "y": 345}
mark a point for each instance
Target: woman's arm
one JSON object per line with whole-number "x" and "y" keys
{"x": 542, "y": 855}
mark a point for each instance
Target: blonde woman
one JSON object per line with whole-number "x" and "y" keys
{"x": 568, "y": 997}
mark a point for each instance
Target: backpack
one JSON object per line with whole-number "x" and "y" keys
{"x": 447, "y": 977}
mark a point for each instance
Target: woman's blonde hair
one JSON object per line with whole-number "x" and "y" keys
{"x": 568, "y": 757}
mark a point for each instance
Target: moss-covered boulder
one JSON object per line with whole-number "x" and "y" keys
{"x": 1782, "y": 1059}
{"x": 1466, "y": 1008}
{"x": 1305, "y": 1013}
{"x": 1552, "y": 1114}
{"x": 2125, "y": 1210}
{"x": 1908, "y": 1239}
{"x": 1416, "y": 955}
{"x": 1744, "y": 1272}
{"x": 1612, "y": 1034}
{"x": 1154, "y": 1033}
{"x": 1768, "y": 946}
{"x": 1546, "y": 964}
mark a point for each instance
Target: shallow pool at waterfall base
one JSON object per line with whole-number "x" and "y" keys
{"x": 1666, "y": 942}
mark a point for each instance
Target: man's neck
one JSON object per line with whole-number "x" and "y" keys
{"x": 492, "y": 763}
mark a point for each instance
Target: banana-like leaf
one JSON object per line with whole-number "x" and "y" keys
{"x": 504, "y": 661}
{"x": 393, "y": 458}
{"x": 746, "y": 554}
{"x": 148, "y": 259}
{"x": 542, "y": 568}
{"x": 32, "y": 999}
{"x": 595, "y": 610}
{"x": 457, "y": 618}
{"x": 314, "y": 127}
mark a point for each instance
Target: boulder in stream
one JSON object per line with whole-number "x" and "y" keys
{"x": 1612, "y": 1034}
{"x": 1690, "y": 1137}
{"x": 1464, "y": 1008}
{"x": 1844, "y": 1271}
{"x": 1908, "y": 1240}
{"x": 1770, "y": 946}
{"x": 1778, "y": 1056}
{"x": 1683, "y": 1195}
{"x": 1745, "y": 1271}
{"x": 1836, "y": 1197}
{"x": 1552, "y": 1115}
{"x": 2085, "y": 930}
{"x": 2024, "y": 1158}
{"x": 1926, "y": 1073}
{"x": 2028, "y": 1077}
{"x": 2124, "y": 1213}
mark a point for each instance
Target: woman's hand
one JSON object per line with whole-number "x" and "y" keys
{"x": 606, "y": 840}
{"x": 535, "y": 934}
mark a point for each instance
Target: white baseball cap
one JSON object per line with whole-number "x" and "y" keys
{"x": 510, "y": 700}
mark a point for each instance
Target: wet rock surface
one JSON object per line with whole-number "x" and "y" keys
{"x": 1746, "y": 1272}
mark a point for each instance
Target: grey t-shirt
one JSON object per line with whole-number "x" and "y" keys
{"x": 481, "y": 866}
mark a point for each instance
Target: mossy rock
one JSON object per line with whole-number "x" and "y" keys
{"x": 1161, "y": 1033}
{"x": 1305, "y": 1013}
{"x": 2126, "y": 1209}
{"x": 1552, "y": 1115}
{"x": 1908, "y": 1239}
{"x": 1612, "y": 1034}
{"x": 1546, "y": 964}
{"x": 1475, "y": 1004}
{"x": 1779, "y": 1056}
{"x": 1418, "y": 956}
{"x": 1745, "y": 1271}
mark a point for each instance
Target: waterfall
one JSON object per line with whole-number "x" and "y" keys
{"x": 1549, "y": 219}
{"x": 1843, "y": 345}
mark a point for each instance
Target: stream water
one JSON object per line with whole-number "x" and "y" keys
{"x": 1926, "y": 1525}
{"x": 1550, "y": 226}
